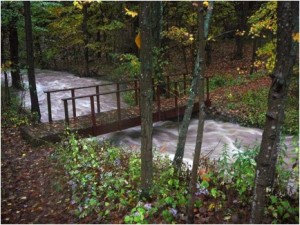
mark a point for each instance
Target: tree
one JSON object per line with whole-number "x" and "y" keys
{"x": 188, "y": 111}
{"x": 10, "y": 17}
{"x": 287, "y": 12}
{"x": 35, "y": 108}
{"x": 242, "y": 11}
{"x": 14, "y": 53}
{"x": 199, "y": 67}
{"x": 85, "y": 38}
{"x": 146, "y": 96}
{"x": 263, "y": 27}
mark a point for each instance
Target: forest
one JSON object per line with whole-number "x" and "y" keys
{"x": 150, "y": 112}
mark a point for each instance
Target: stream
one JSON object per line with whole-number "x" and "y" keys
{"x": 165, "y": 134}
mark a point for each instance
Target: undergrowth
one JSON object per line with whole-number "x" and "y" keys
{"x": 12, "y": 112}
{"x": 249, "y": 108}
{"x": 105, "y": 183}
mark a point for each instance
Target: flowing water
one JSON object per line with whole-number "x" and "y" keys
{"x": 165, "y": 134}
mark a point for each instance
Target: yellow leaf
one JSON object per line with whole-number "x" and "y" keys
{"x": 130, "y": 13}
{"x": 205, "y": 4}
{"x": 295, "y": 37}
{"x": 211, "y": 207}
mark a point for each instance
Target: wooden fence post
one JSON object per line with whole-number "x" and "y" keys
{"x": 66, "y": 111}
{"x": 49, "y": 107}
{"x": 73, "y": 102}
{"x": 93, "y": 111}
{"x": 98, "y": 99}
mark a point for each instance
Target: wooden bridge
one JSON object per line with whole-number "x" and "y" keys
{"x": 169, "y": 102}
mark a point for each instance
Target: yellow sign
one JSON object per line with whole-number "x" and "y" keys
{"x": 138, "y": 40}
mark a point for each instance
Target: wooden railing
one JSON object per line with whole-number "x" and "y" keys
{"x": 72, "y": 90}
{"x": 157, "y": 90}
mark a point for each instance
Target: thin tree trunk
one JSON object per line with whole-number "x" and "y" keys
{"x": 242, "y": 9}
{"x": 200, "y": 74}
{"x": 267, "y": 157}
{"x": 193, "y": 92}
{"x": 98, "y": 39}
{"x": 6, "y": 88}
{"x": 157, "y": 18}
{"x": 14, "y": 55}
{"x": 254, "y": 48}
{"x": 184, "y": 59}
{"x": 85, "y": 39}
{"x": 146, "y": 98}
{"x": 35, "y": 108}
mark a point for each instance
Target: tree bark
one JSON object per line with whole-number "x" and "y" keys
{"x": 146, "y": 96}
{"x": 242, "y": 11}
{"x": 35, "y": 108}
{"x": 193, "y": 92}
{"x": 200, "y": 74}
{"x": 267, "y": 157}
{"x": 14, "y": 54}
{"x": 85, "y": 39}
{"x": 254, "y": 55}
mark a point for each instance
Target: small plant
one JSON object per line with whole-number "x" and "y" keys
{"x": 236, "y": 174}
{"x": 106, "y": 179}
{"x": 282, "y": 211}
{"x": 13, "y": 115}
{"x": 129, "y": 97}
{"x": 128, "y": 66}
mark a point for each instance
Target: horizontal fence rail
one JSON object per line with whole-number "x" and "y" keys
{"x": 169, "y": 86}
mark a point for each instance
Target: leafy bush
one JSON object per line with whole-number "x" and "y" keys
{"x": 237, "y": 173}
{"x": 128, "y": 66}
{"x": 129, "y": 97}
{"x": 106, "y": 179}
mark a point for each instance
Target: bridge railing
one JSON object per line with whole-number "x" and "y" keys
{"x": 183, "y": 79}
{"x": 92, "y": 100}
{"x": 173, "y": 93}
{"x": 72, "y": 90}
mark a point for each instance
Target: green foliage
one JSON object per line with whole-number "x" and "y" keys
{"x": 129, "y": 97}
{"x": 264, "y": 20}
{"x": 263, "y": 25}
{"x": 237, "y": 173}
{"x": 256, "y": 104}
{"x": 179, "y": 34}
{"x": 104, "y": 179}
{"x": 226, "y": 80}
{"x": 282, "y": 211}
{"x": 224, "y": 18}
{"x": 159, "y": 63}
{"x": 253, "y": 103}
{"x": 128, "y": 66}
{"x": 268, "y": 52}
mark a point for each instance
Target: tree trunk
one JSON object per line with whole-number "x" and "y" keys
{"x": 157, "y": 17}
{"x": 14, "y": 54}
{"x": 146, "y": 95}
{"x": 35, "y": 108}
{"x": 200, "y": 74}
{"x": 242, "y": 11}
{"x": 267, "y": 157}
{"x": 85, "y": 39}
{"x": 193, "y": 92}
{"x": 254, "y": 55}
